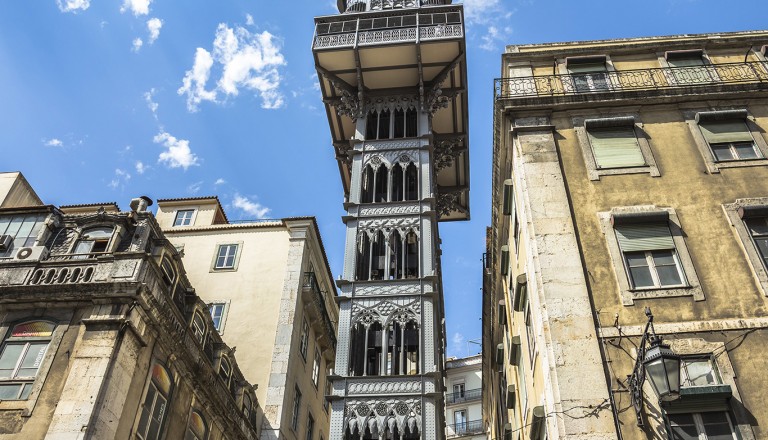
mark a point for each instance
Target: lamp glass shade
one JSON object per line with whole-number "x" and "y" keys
{"x": 662, "y": 367}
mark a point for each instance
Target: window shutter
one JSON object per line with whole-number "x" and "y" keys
{"x": 502, "y": 312}
{"x": 504, "y": 260}
{"x": 520, "y": 291}
{"x": 500, "y": 355}
{"x": 587, "y": 68}
{"x": 725, "y": 131}
{"x": 509, "y": 197}
{"x": 511, "y": 392}
{"x": 686, "y": 61}
{"x": 644, "y": 237}
{"x": 514, "y": 350}
{"x": 616, "y": 147}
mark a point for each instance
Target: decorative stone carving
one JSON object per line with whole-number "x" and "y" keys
{"x": 389, "y": 158}
{"x": 448, "y": 202}
{"x": 399, "y": 144}
{"x": 391, "y": 103}
{"x": 446, "y": 151}
{"x": 402, "y": 224}
{"x": 385, "y": 311}
{"x": 382, "y": 416}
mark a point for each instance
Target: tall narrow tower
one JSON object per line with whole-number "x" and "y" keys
{"x": 393, "y": 78}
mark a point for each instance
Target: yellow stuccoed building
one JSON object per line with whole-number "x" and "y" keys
{"x": 629, "y": 174}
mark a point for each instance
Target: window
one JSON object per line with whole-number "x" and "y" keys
{"x": 649, "y": 254}
{"x": 21, "y": 356}
{"x": 588, "y": 74}
{"x": 614, "y": 145}
{"x": 169, "y": 272}
{"x": 749, "y": 218}
{"x": 248, "y": 409}
{"x": 225, "y": 371}
{"x": 458, "y": 390}
{"x": 460, "y": 421}
{"x": 310, "y": 426}
{"x": 225, "y": 259}
{"x": 316, "y": 368}
{"x": 715, "y": 425}
{"x": 217, "y": 314}
{"x": 304, "y": 341}
{"x": 198, "y": 327}
{"x": 727, "y": 138}
{"x": 296, "y": 406}
{"x": 155, "y": 404}
{"x": 93, "y": 241}
{"x": 184, "y": 217}
{"x": 386, "y": 124}
{"x": 197, "y": 429}
{"x": 698, "y": 371}
{"x": 22, "y": 228}
{"x": 328, "y": 391}
{"x": 689, "y": 67}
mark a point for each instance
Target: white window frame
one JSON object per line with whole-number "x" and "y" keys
{"x": 564, "y": 69}
{"x": 628, "y": 293}
{"x": 669, "y": 73}
{"x": 714, "y": 166}
{"x": 582, "y": 136}
{"x": 652, "y": 269}
{"x": 317, "y": 361}
{"x": 304, "y": 340}
{"x": 236, "y": 262}
{"x": 224, "y": 304}
{"x": 296, "y": 408}
{"x": 699, "y": 423}
{"x": 186, "y": 220}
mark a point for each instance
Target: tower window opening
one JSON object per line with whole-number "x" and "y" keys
{"x": 381, "y": 184}
{"x": 411, "y": 182}
{"x": 366, "y": 195}
{"x": 395, "y": 268}
{"x": 384, "y": 121}
{"x": 363, "y": 257}
{"x": 411, "y": 255}
{"x": 378, "y": 255}
{"x": 373, "y": 350}
{"x": 398, "y": 183}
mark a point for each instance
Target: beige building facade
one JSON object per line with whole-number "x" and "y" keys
{"x": 463, "y": 398}
{"x": 270, "y": 292}
{"x": 99, "y": 330}
{"x": 628, "y": 174}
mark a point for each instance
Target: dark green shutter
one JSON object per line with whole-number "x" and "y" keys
{"x": 616, "y": 147}
{"x": 504, "y": 260}
{"x": 509, "y": 197}
{"x": 725, "y": 131}
{"x": 644, "y": 237}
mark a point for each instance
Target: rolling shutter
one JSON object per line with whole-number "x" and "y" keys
{"x": 616, "y": 147}
{"x": 725, "y": 131}
{"x": 644, "y": 237}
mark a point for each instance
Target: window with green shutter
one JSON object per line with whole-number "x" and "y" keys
{"x": 650, "y": 255}
{"x": 730, "y": 140}
{"x": 615, "y": 147}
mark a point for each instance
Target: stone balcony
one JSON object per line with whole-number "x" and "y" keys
{"x": 314, "y": 302}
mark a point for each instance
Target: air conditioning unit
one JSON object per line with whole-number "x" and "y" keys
{"x": 31, "y": 253}
{"x": 5, "y": 242}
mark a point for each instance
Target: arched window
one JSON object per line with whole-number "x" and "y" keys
{"x": 402, "y": 348}
{"x": 411, "y": 255}
{"x": 395, "y": 261}
{"x": 377, "y": 125}
{"x": 21, "y": 356}
{"x": 169, "y": 272}
{"x": 93, "y": 241}
{"x": 373, "y": 351}
{"x": 411, "y": 348}
{"x": 155, "y": 404}
{"x": 366, "y": 193}
{"x": 198, "y": 327}
{"x": 197, "y": 429}
{"x": 357, "y": 349}
{"x": 381, "y": 185}
{"x": 378, "y": 256}
{"x": 411, "y": 182}
{"x": 248, "y": 412}
{"x": 363, "y": 257}
{"x": 405, "y": 123}
{"x": 398, "y": 183}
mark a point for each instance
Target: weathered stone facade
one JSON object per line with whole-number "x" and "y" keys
{"x": 630, "y": 176}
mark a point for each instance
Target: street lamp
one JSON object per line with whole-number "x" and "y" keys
{"x": 662, "y": 366}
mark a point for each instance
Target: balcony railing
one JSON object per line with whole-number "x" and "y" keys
{"x": 629, "y": 80}
{"x": 466, "y": 428}
{"x": 318, "y": 297}
{"x": 385, "y": 29}
{"x": 464, "y": 396}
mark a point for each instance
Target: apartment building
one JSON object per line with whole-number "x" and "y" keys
{"x": 626, "y": 274}
{"x": 463, "y": 398}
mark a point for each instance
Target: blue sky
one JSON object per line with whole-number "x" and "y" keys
{"x": 106, "y": 100}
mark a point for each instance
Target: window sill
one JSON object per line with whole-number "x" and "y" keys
{"x": 740, "y": 163}
{"x": 650, "y": 169}
{"x": 667, "y": 292}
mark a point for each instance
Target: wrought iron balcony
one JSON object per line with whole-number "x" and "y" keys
{"x": 464, "y": 396}
{"x": 318, "y": 301}
{"x": 396, "y": 27}
{"x": 466, "y": 428}
{"x": 600, "y": 83}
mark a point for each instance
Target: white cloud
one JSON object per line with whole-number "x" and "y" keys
{"x": 249, "y": 207}
{"x": 219, "y": 181}
{"x": 137, "y": 43}
{"x": 141, "y": 167}
{"x": 121, "y": 176}
{"x": 195, "y": 187}
{"x": 178, "y": 153}
{"x": 153, "y": 26}
{"x": 150, "y": 103}
{"x": 480, "y": 11}
{"x": 248, "y": 61}
{"x": 137, "y": 7}
{"x": 73, "y": 6}
{"x": 315, "y": 82}
{"x": 53, "y": 142}
{"x": 457, "y": 343}
{"x": 249, "y": 19}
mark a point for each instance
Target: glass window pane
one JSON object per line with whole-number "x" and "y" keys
{"x": 683, "y": 427}
{"x": 663, "y": 258}
{"x": 669, "y": 276}
{"x": 722, "y": 152}
{"x": 4, "y": 221}
{"x": 9, "y": 391}
{"x": 27, "y": 388}
{"x": 32, "y": 359}
{"x": 717, "y": 426}
{"x": 757, "y": 226}
{"x": 9, "y": 358}
{"x": 636, "y": 259}
{"x": 699, "y": 372}
{"x": 641, "y": 276}
{"x": 745, "y": 150}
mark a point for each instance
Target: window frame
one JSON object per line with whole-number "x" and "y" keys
{"x": 236, "y": 262}
{"x": 25, "y": 342}
{"x": 565, "y": 65}
{"x": 190, "y": 221}
{"x": 316, "y": 363}
{"x": 601, "y": 121}
{"x": 164, "y": 419}
{"x": 296, "y": 408}
{"x": 29, "y": 240}
{"x": 224, "y": 304}
{"x": 304, "y": 339}
{"x": 189, "y": 430}
{"x": 309, "y": 435}
{"x": 714, "y": 166}
{"x": 108, "y": 246}
{"x": 670, "y": 72}
{"x": 745, "y": 239}
{"x": 629, "y": 294}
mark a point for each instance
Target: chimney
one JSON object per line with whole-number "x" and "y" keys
{"x": 140, "y": 204}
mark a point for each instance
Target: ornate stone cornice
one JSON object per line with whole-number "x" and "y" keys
{"x": 446, "y": 151}
{"x": 449, "y": 200}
